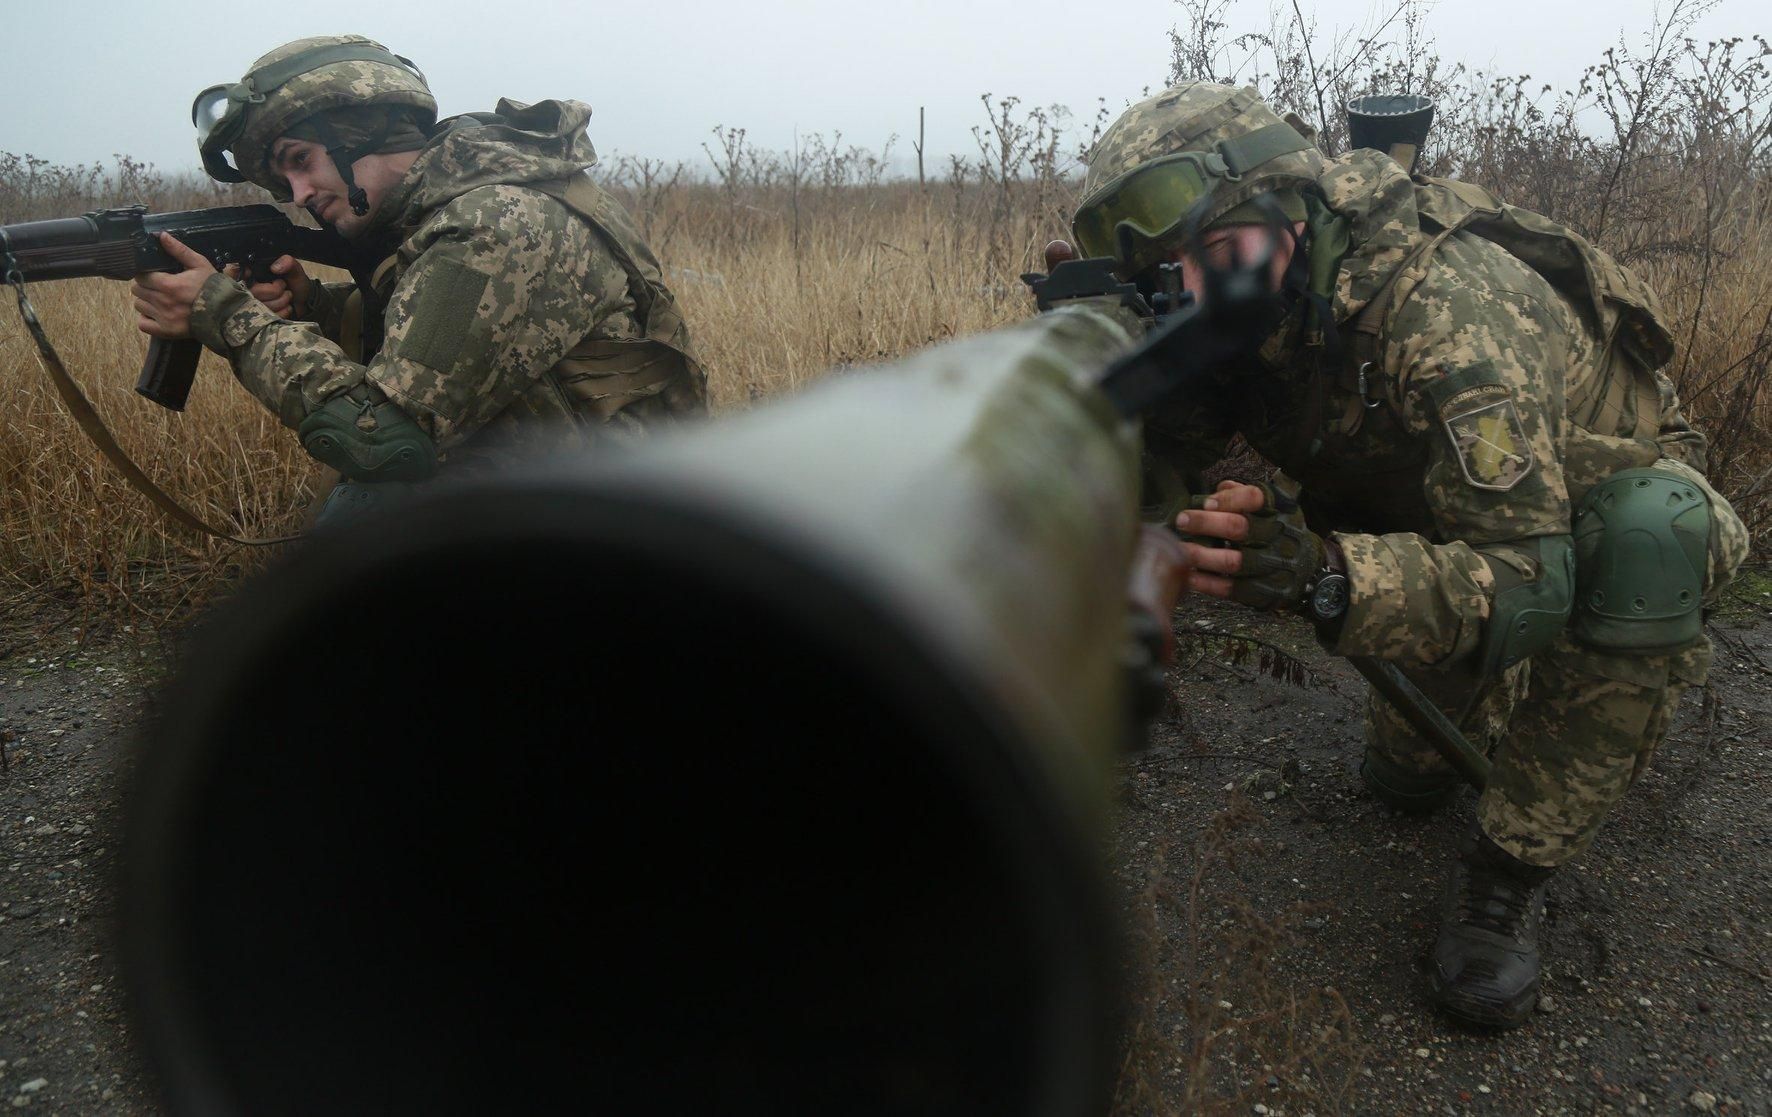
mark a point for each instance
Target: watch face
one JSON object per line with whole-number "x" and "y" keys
{"x": 1329, "y": 601}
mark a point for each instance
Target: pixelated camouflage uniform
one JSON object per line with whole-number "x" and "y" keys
{"x": 519, "y": 308}
{"x": 1480, "y": 344}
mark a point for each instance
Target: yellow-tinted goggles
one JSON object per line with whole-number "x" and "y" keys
{"x": 1148, "y": 203}
{"x": 1128, "y": 217}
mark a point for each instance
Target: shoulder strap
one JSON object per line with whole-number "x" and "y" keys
{"x": 1369, "y": 324}
{"x": 653, "y": 303}
{"x": 80, "y": 407}
{"x": 1448, "y": 205}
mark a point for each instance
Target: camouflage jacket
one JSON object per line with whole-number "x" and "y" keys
{"x": 1481, "y": 411}
{"x": 519, "y": 306}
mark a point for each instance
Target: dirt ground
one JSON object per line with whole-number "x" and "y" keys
{"x": 1292, "y": 929}
{"x": 67, "y": 710}
{"x": 1281, "y": 917}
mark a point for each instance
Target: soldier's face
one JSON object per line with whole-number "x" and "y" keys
{"x": 314, "y": 182}
{"x": 316, "y": 185}
{"x": 1236, "y": 244}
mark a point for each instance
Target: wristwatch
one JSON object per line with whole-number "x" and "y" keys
{"x": 1325, "y": 602}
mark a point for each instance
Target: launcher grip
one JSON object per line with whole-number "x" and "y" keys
{"x": 168, "y": 372}
{"x": 1156, "y": 583}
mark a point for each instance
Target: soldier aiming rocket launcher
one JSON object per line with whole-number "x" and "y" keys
{"x": 123, "y": 243}
{"x": 1396, "y": 124}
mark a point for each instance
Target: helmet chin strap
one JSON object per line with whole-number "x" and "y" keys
{"x": 343, "y": 156}
{"x": 1325, "y": 242}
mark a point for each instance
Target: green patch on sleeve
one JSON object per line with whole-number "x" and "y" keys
{"x": 444, "y": 310}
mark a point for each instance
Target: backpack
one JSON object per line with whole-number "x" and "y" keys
{"x": 1617, "y": 307}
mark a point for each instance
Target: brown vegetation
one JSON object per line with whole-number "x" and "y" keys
{"x": 793, "y": 262}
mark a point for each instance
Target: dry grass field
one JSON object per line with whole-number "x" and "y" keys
{"x": 875, "y": 272}
{"x": 790, "y": 263}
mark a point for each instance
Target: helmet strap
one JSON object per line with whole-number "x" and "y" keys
{"x": 1326, "y": 243}
{"x": 343, "y": 156}
{"x": 1320, "y": 327}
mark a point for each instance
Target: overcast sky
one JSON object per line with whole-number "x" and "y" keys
{"x": 88, "y": 78}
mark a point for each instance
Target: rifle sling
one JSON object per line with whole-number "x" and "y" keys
{"x": 87, "y": 416}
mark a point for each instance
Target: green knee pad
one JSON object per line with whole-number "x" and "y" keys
{"x": 367, "y": 440}
{"x": 1402, "y": 789}
{"x": 1642, "y": 538}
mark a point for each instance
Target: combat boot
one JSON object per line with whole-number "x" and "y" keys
{"x": 1486, "y": 962}
{"x": 1403, "y": 790}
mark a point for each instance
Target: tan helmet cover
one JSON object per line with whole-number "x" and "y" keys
{"x": 330, "y": 85}
{"x": 1198, "y": 116}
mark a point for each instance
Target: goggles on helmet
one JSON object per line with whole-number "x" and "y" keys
{"x": 1146, "y": 205}
{"x": 1136, "y": 214}
{"x": 219, "y": 112}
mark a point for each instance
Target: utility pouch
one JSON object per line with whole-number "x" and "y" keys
{"x": 603, "y": 375}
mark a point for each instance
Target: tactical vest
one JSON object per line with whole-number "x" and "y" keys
{"x": 602, "y": 375}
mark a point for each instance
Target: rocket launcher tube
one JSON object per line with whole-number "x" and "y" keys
{"x": 764, "y": 767}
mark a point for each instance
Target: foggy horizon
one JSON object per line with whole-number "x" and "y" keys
{"x": 799, "y": 69}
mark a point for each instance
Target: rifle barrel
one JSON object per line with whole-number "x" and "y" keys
{"x": 65, "y": 248}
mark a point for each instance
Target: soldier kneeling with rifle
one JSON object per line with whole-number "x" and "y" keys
{"x": 503, "y": 299}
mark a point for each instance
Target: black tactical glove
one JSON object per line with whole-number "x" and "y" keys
{"x": 1281, "y": 557}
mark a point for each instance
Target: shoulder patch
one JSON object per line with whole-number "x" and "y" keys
{"x": 444, "y": 312}
{"x": 1491, "y": 444}
{"x": 1487, "y": 435}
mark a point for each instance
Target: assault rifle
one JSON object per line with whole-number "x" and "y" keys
{"x": 763, "y": 767}
{"x": 123, "y": 243}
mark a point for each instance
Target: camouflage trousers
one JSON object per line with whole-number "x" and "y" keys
{"x": 1570, "y": 729}
{"x": 1568, "y": 732}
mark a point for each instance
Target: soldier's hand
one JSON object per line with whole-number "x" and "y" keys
{"x": 163, "y": 300}
{"x": 1224, "y": 517}
{"x": 286, "y": 293}
{"x": 1263, "y": 557}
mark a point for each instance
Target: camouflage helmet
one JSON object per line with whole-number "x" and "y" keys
{"x": 291, "y": 84}
{"x": 1234, "y": 147}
